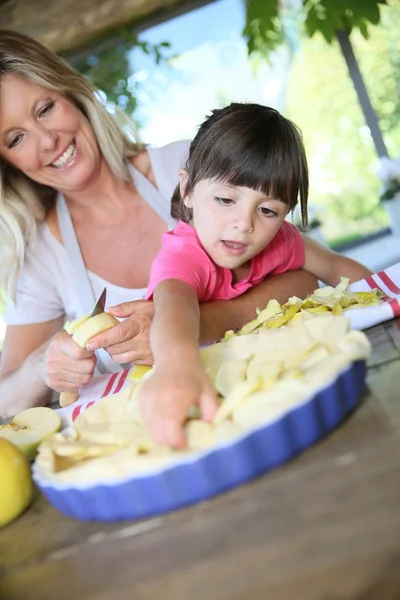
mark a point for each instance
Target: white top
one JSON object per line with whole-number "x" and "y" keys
{"x": 50, "y": 284}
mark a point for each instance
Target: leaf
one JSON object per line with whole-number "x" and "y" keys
{"x": 109, "y": 70}
{"x": 264, "y": 28}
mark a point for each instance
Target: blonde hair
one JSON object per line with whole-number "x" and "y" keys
{"x": 23, "y": 202}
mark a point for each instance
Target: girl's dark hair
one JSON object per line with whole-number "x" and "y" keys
{"x": 252, "y": 146}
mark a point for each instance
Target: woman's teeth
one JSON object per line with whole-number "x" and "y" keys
{"x": 65, "y": 157}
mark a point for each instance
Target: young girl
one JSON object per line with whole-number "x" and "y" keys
{"x": 246, "y": 170}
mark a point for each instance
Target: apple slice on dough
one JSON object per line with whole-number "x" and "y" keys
{"x": 30, "y": 427}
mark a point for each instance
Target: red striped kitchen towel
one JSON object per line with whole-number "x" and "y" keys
{"x": 388, "y": 282}
{"x": 99, "y": 387}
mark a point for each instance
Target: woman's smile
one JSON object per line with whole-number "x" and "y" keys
{"x": 67, "y": 157}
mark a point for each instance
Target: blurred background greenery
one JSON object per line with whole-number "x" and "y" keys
{"x": 169, "y": 76}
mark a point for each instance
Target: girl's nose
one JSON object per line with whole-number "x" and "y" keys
{"x": 244, "y": 222}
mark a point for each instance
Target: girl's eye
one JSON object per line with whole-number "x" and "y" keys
{"x": 46, "y": 110}
{"x": 224, "y": 201}
{"x": 267, "y": 212}
{"x": 15, "y": 141}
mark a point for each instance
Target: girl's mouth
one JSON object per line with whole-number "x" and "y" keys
{"x": 235, "y": 248}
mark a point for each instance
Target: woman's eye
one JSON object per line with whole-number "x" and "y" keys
{"x": 43, "y": 112}
{"x": 267, "y": 212}
{"x": 224, "y": 201}
{"x": 15, "y": 141}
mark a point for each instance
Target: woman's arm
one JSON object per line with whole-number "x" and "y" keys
{"x": 130, "y": 341}
{"x": 219, "y": 316}
{"x": 37, "y": 358}
{"x": 21, "y": 385}
{"x": 179, "y": 380}
{"x": 330, "y": 266}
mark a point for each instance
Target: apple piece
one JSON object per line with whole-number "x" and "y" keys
{"x": 83, "y": 329}
{"x": 215, "y": 354}
{"x": 16, "y": 482}
{"x": 93, "y": 326}
{"x": 260, "y": 368}
{"x": 68, "y": 398}
{"x": 199, "y": 434}
{"x": 289, "y": 312}
{"x": 138, "y": 371}
{"x": 228, "y": 335}
{"x": 273, "y": 308}
{"x": 356, "y": 345}
{"x": 229, "y": 374}
{"x": 30, "y": 427}
{"x": 240, "y": 394}
{"x": 82, "y": 449}
{"x": 73, "y": 325}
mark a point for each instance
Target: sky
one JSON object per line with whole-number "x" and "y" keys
{"x": 210, "y": 68}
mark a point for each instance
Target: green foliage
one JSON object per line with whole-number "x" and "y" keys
{"x": 263, "y": 29}
{"x": 265, "y": 24}
{"x": 322, "y": 101}
{"x": 109, "y": 70}
{"x": 326, "y": 16}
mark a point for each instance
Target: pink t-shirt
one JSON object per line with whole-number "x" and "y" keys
{"x": 182, "y": 257}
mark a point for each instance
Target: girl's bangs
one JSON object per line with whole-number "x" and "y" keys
{"x": 271, "y": 172}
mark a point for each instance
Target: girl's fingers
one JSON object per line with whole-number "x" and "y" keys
{"x": 208, "y": 405}
{"x": 164, "y": 421}
{"x": 173, "y": 433}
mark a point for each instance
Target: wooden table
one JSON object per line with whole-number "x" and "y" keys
{"x": 326, "y": 526}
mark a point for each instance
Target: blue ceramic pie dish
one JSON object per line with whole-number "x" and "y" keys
{"x": 201, "y": 475}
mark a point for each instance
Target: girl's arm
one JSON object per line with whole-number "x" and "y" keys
{"x": 330, "y": 266}
{"x": 176, "y": 323}
{"x": 179, "y": 380}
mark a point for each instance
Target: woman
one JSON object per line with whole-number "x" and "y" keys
{"x": 81, "y": 207}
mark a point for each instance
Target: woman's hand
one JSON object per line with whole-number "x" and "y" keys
{"x": 166, "y": 397}
{"x": 128, "y": 342}
{"x": 66, "y": 367}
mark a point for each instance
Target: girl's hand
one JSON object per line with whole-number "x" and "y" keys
{"x": 129, "y": 341}
{"x": 166, "y": 397}
{"x": 65, "y": 367}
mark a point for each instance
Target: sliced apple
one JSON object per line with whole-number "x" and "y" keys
{"x": 83, "y": 330}
{"x": 229, "y": 374}
{"x": 199, "y": 434}
{"x": 74, "y": 325}
{"x": 138, "y": 371}
{"x": 93, "y": 326}
{"x": 30, "y": 427}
